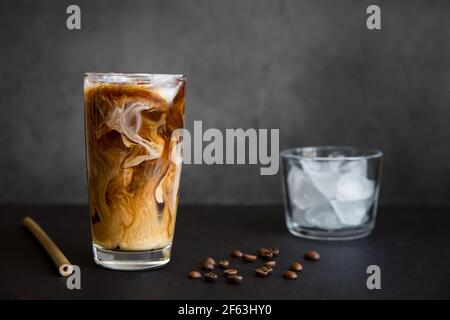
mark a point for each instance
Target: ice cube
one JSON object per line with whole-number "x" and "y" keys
{"x": 168, "y": 93}
{"x": 357, "y": 167}
{"x": 322, "y": 216}
{"x": 324, "y": 175}
{"x": 337, "y": 159}
{"x": 301, "y": 191}
{"x": 167, "y": 86}
{"x": 310, "y": 207}
{"x": 298, "y": 217}
{"x": 352, "y": 213}
{"x": 354, "y": 193}
{"x": 352, "y": 187}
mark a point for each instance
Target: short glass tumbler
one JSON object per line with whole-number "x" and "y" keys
{"x": 331, "y": 192}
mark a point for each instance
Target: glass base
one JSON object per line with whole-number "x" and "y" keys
{"x": 345, "y": 234}
{"x": 131, "y": 260}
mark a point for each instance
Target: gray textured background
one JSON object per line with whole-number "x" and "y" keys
{"x": 310, "y": 68}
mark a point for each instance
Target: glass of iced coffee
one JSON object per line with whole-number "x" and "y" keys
{"x": 133, "y": 158}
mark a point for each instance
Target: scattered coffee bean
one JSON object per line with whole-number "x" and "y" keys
{"x": 275, "y": 251}
{"x": 269, "y": 269}
{"x": 291, "y": 275}
{"x": 232, "y": 276}
{"x": 224, "y": 264}
{"x": 262, "y": 271}
{"x": 236, "y": 253}
{"x": 210, "y": 276}
{"x": 270, "y": 264}
{"x": 210, "y": 260}
{"x": 296, "y": 266}
{"x": 312, "y": 255}
{"x": 207, "y": 266}
{"x": 267, "y": 256}
{"x": 230, "y": 272}
{"x": 195, "y": 275}
{"x": 265, "y": 253}
{"x": 235, "y": 279}
{"x": 249, "y": 257}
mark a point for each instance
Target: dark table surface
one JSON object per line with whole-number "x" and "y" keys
{"x": 410, "y": 244}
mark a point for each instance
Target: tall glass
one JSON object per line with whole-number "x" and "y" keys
{"x": 133, "y": 163}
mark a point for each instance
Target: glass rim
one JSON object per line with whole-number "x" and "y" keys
{"x": 127, "y": 77}
{"x": 366, "y": 153}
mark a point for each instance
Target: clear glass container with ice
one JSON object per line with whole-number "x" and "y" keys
{"x": 331, "y": 192}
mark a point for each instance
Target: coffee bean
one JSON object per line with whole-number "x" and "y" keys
{"x": 210, "y": 260}
{"x": 296, "y": 266}
{"x": 291, "y": 275}
{"x": 230, "y": 272}
{"x": 224, "y": 264}
{"x": 210, "y": 276}
{"x": 265, "y": 253}
{"x": 312, "y": 255}
{"x": 236, "y": 253}
{"x": 269, "y": 269}
{"x": 249, "y": 257}
{"x": 262, "y": 271}
{"x": 235, "y": 279}
{"x": 195, "y": 275}
{"x": 207, "y": 266}
{"x": 267, "y": 256}
{"x": 270, "y": 264}
{"x": 275, "y": 251}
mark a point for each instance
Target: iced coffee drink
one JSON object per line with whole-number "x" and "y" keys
{"x": 133, "y": 166}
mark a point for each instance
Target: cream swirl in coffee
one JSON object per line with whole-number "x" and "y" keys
{"x": 132, "y": 177}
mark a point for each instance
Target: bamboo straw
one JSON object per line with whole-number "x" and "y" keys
{"x": 64, "y": 266}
